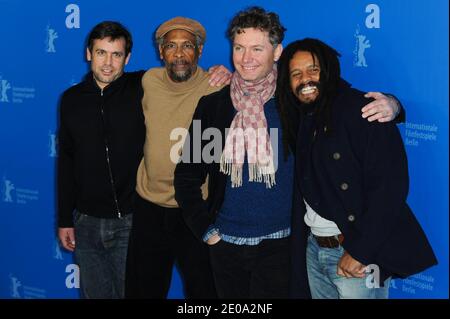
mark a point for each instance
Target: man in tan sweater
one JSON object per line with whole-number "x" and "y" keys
{"x": 159, "y": 236}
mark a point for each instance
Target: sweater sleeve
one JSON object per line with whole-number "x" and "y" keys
{"x": 190, "y": 175}
{"x": 65, "y": 170}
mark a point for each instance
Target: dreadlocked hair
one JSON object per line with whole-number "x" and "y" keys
{"x": 288, "y": 105}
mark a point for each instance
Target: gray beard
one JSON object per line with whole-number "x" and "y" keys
{"x": 180, "y": 76}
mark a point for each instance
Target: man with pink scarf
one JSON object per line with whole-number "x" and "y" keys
{"x": 247, "y": 216}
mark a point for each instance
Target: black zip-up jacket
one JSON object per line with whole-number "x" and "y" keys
{"x": 101, "y": 138}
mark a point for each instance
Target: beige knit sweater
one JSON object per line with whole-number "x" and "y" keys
{"x": 167, "y": 105}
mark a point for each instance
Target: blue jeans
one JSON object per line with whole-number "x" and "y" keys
{"x": 324, "y": 281}
{"x": 100, "y": 252}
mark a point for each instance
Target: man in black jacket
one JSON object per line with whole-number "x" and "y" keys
{"x": 101, "y": 137}
{"x": 246, "y": 217}
{"x": 352, "y": 229}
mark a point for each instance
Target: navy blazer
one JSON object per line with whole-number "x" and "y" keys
{"x": 355, "y": 173}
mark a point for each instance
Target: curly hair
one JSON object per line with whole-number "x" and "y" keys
{"x": 258, "y": 18}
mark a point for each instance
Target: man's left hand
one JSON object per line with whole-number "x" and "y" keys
{"x": 383, "y": 109}
{"x": 350, "y": 267}
{"x": 219, "y": 75}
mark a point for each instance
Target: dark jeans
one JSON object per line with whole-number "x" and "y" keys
{"x": 100, "y": 252}
{"x": 243, "y": 271}
{"x": 158, "y": 240}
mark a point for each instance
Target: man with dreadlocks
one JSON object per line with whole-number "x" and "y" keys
{"x": 350, "y": 217}
{"x": 247, "y": 216}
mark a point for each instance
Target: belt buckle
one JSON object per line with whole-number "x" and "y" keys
{"x": 328, "y": 241}
{"x": 331, "y": 242}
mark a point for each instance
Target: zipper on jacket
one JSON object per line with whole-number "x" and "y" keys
{"x": 113, "y": 185}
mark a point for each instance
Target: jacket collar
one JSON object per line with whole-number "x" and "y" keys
{"x": 92, "y": 86}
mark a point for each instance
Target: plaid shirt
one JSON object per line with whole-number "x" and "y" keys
{"x": 245, "y": 241}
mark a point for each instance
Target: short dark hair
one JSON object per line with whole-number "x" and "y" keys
{"x": 258, "y": 18}
{"x": 113, "y": 30}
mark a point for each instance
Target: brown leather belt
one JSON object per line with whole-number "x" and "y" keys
{"x": 330, "y": 241}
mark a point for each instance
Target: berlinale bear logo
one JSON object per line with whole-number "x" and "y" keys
{"x": 4, "y": 87}
{"x": 362, "y": 42}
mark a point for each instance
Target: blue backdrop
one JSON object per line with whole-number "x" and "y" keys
{"x": 386, "y": 45}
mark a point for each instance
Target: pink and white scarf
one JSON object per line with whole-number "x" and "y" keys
{"x": 248, "y": 131}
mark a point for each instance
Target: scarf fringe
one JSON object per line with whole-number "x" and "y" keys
{"x": 225, "y": 164}
{"x": 257, "y": 173}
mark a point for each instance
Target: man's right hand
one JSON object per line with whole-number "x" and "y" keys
{"x": 67, "y": 238}
{"x": 219, "y": 75}
{"x": 214, "y": 239}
